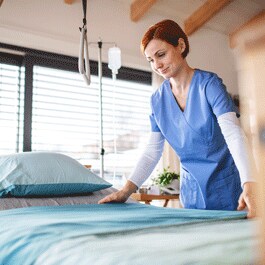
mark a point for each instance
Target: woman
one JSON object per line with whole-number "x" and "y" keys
{"x": 194, "y": 113}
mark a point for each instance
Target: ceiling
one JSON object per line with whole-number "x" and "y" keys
{"x": 225, "y": 16}
{"x": 53, "y": 24}
{"x": 230, "y": 15}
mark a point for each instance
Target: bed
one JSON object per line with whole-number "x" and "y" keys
{"x": 44, "y": 227}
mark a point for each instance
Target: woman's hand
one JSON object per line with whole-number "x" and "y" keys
{"x": 248, "y": 199}
{"x": 118, "y": 196}
{"x": 121, "y": 195}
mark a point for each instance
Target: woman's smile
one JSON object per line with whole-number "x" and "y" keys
{"x": 163, "y": 71}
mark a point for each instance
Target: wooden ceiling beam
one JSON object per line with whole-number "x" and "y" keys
{"x": 139, "y": 8}
{"x": 203, "y": 14}
{"x": 248, "y": 28}
{"x": 69, "y": 2}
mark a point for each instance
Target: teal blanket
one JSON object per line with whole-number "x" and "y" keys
{"x": 124, "y": 234}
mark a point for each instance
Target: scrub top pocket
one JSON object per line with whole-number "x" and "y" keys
{"x": 190, "y": 192}
{"x": 224, "y": 191}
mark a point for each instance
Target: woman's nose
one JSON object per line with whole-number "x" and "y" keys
{"x": 157, "y": 64}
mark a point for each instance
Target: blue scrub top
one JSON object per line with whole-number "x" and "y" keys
{"x": 209, "y": 177}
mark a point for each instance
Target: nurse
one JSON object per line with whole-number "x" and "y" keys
{"x": 194, "y": 113}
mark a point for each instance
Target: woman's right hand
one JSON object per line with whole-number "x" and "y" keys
{"x": 118, "y": 196}
{"x": 121, "y": 195}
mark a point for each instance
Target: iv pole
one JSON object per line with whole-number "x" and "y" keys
{"x": 102, "y": 151}
{"x": 101, "y": 147}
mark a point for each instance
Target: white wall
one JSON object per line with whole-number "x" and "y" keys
{"x": 51, "y": 25}
{"x": 210, "y": 51}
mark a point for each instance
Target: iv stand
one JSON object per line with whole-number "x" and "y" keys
{"x": 102, "y": 151}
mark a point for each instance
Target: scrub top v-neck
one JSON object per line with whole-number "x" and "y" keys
{"x": 209, "y": 177}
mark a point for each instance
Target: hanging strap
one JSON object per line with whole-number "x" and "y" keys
{"x": 84, "y": 2}
{"x": 83, "y": 60}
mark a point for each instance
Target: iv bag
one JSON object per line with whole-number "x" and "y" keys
{"x": 114, "y": 55}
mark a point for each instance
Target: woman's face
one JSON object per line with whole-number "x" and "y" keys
{"x": 165, "y": 59}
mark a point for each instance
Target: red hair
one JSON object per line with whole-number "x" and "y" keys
{"x": 168, "y": 31}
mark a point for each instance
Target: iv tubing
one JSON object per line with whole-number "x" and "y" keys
{"x": 114, "y": 125}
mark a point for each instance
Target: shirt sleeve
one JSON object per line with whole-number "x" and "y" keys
{"x": 218, "y": 97}
{"x": 238, "y": 145}
{"x": 154, "y": 127}
{"x": 153, "y": 123}
{"x": 148, "y": 159}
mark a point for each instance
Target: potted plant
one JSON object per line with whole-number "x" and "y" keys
{"x": 167, "y": 181}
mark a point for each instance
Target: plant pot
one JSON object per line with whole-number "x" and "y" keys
{"x": 154, "y": 190}
{"x": 172, "y": 188}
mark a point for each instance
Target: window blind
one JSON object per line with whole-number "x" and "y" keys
{"x": 65, "y": 118}
{"x": 11, "y": 108}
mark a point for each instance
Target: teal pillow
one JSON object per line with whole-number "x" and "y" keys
{"x": 33, "y": 174}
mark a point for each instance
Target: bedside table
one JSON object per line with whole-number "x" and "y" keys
{"x": 148, "y": 198}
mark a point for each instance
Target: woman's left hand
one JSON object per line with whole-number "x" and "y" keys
{"x": 248, "y": 199}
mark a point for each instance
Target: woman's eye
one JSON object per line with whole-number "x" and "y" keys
{"x": 161, "y": 55}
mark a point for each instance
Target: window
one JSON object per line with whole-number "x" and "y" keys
{"x": 62, "y": 113}
{"x": 11, "y": 108}
{"x": 65, "y": 118}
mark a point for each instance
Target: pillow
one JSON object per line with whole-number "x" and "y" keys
{"x": 32, "y": 174}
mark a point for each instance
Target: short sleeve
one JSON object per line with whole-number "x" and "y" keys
{"x": 153, "y": 123}
{"x": 218, "y": 97}
{"x": 154, "y": 127}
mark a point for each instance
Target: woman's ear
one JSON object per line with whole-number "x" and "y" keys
{"x": 181, "y": 45}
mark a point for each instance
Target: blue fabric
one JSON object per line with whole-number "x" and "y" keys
{"x": 209, "y": 177}
{"x": 46, "y": 174}
{"x": 28, "y": 232}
